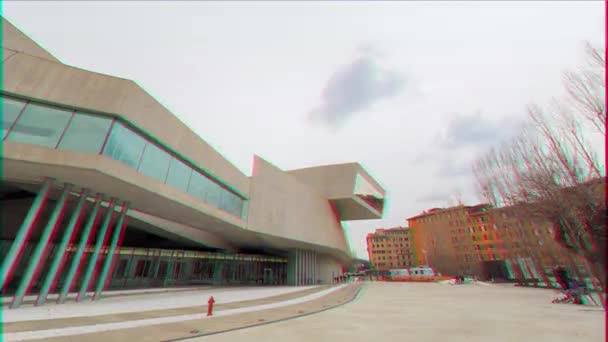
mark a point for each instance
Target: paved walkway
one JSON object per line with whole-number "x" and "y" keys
{"x": 134, "y": 303}
{"x": 167, "y": 325}
{"x": 428, "y": 312}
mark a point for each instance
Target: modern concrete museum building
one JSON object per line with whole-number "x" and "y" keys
{"x": 103, "y": 187}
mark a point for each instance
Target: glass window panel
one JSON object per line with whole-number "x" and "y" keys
{"x": 239, "y": 207}
{"x": 232, "y": 203}
{"x": 243, "y": 213}
{"x": 179, "y": 175}
{"x": 198, "y": 185}
{"x": 155, "y": 162}
{"x": 10, "y": 110}
{"x": 124, "y": 145}
{"x": 207, "y": 190}
{"x": 40, "y": 125}
{"x": 86, "y": 133}
{"x": 214, "y": 194}
{"x": 223, "y": 200}
{"x": 226, "y": 200}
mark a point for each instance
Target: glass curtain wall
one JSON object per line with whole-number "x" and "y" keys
{"x": 32, "y": 123}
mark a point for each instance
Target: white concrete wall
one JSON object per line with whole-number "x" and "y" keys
{"x": 328, "y": 268}
{"x": 308, "y": 265}
{"x": 282, "y": 206}
{"x": 13, "y": 40}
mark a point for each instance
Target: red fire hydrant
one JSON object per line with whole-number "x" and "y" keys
{"x": 210, "y": 306}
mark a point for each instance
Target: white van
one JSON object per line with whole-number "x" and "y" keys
{"x": 422, "y": 271}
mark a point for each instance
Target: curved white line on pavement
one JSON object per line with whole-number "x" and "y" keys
{"x": 144, "y": 302}
{"x": 88, "y": 329}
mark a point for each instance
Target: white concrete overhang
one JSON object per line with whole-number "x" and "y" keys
{"x": 350, "y": 188}
{"x": 154, "y": 203}
{"x": 354, "y": 208}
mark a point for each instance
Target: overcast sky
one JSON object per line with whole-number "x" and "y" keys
{"x": 412, "y": 90}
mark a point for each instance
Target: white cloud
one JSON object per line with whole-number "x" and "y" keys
{"x": 354, "y": 88}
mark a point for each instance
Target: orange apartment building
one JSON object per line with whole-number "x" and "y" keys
{"x": 442, "y": 242}
{"x": 391, "y": 249}
{"x": 527, "y": 243}
{"x": 480, "y": 240}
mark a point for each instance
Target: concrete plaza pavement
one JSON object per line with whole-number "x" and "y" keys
{"x": 143, "y": 301}
{"x": 437, "y": 312}
{"x": 179, "y": 323}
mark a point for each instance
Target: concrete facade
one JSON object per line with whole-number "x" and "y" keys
{"x": 295, "y": 214}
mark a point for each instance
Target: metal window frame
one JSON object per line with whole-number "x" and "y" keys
{"x": 10, "y": 129}
{"x": 65, "y": 129}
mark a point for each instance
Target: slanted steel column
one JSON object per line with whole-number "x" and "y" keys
{"x": 12, "y": 257}
{"x": 77, "y": 258}
{"x": 120, "y": 226}
{"x": 41, "y": 248}
{"x": 52, "y": 274}
{"x": 101, "y": 237}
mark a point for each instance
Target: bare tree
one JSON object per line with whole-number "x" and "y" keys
{"x": 586, "y": 88}
{"x": 550, "y": 173}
